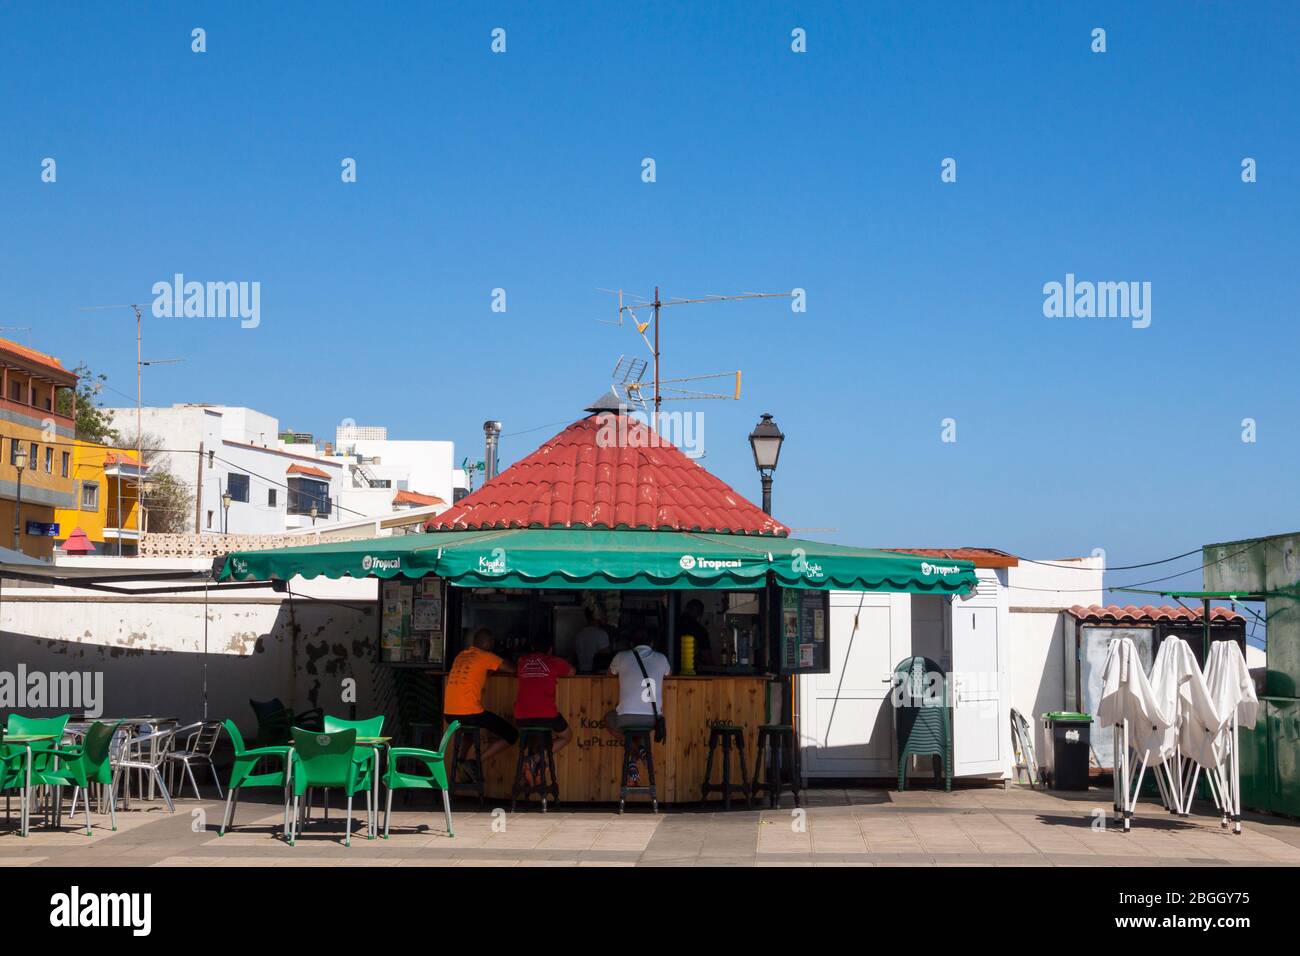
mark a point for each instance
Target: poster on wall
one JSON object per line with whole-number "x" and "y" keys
{"x": 805, "y": 643}
{"x": 411, "y": 621}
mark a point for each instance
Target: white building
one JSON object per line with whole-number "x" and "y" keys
{"x": 381, "y": 475}
{"x": 220, "y": 449}
{"x": 1003, "y": 647}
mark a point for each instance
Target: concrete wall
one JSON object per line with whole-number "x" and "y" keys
{"x": 1038, "y": 594}
{"x": 150, "y": 650}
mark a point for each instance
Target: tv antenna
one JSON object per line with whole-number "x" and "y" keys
{"x": 673, "y": 386}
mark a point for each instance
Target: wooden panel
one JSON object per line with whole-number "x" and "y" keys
{"x": 588, "y": 768}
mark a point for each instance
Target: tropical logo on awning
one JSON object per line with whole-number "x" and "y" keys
{"x": 941, "y": 569}
{"x": 372, "y": 563}
{"x": 690, "y": 562}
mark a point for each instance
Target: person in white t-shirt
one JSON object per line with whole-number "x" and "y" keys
{"x": 638, "y": 695}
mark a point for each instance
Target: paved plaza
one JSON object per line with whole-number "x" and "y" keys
{"x": 838, "y": 827}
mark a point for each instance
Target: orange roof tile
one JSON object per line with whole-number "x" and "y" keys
{"x": 119, "y": 458}
{"x": 608, "y": 471}
{"x": 35, "y": 357}
{"x": 307, "y": 470}
{"x": 982, "y": 557}
{"x": 415, "y": 498}
{"x": 1147, "y": 614}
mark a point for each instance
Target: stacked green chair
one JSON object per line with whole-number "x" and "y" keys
{"x": 81, "y": 765}
{"x": 42, "y": 759}
{"x": 275, "y": 721}
{"x": 436, "y": 779}
{"x": 13, "y": 774}
{"x": 922, "y": 717}
{"x": 243, "y": 774}
{"x": 330, "y": 760}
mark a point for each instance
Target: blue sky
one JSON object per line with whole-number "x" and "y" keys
{"x": 775, "y": 170}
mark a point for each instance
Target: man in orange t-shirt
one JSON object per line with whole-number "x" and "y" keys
{"x": 463, "y": 697}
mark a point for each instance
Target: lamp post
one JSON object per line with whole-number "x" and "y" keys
{"x": 314, "y": 512}
{"x": 226, "y": 498}
{"x": 765, "y": 440}
{"x": 20, "y": 462}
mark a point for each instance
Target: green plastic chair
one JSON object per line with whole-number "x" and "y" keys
{"x": 369, "y": 727}
{"x": 80, "y": 766}
{"x": 922, "y": 726}
{"x": 242, "y": 774}
{"x": 42, "y": 758}
{"x": 275, "y": 721}
{"x": 436, "y": 778}
{"x": 330, "y": 760}
{"x": 13, "y": 775}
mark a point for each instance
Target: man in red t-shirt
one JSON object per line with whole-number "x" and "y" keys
{"x": 537, "y": 673}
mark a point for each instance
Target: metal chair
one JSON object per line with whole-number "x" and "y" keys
{"x": 200, "y": 741}
{"x": 147, "y": 754}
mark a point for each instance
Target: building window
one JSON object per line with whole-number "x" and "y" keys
{"x": 270, "y": 498}
{"x": 16, "y": 391}
{"x": 49, "y": 460}
{"x": 13, "y": 451}
{"x": 209, "y": 520}
{"x": 304, "y": 493}
{"x": 31, "y": 456}
{"x": 90, "y": 496}
{"x": 66, "y": 464}
{"x": 237, "y": 485}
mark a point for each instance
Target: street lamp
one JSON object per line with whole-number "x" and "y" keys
{"x": 313, "y": 515}
{"x": 20, "y": 462}
{"x": 226, "y": 499}
{"x": 766, "y": 440}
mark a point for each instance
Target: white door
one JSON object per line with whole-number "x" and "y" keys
{"x": 978, "y": 725}
{"x": 846, "y": 723}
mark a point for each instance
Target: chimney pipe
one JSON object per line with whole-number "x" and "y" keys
{"x": 491, "y": 433}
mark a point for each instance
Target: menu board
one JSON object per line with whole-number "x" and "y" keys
{"x": 412, "y": 621}
{"x": 804, "y": 638}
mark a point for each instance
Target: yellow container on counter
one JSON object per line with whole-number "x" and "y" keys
{"x": 688, "y": 655}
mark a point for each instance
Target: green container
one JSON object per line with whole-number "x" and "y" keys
{"x": 1070, "y": 715}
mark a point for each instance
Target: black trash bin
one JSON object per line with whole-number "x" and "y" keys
{"x": 1068, "y": 738}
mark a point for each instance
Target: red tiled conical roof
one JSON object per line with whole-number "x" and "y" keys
{"x": 607, "y": 471}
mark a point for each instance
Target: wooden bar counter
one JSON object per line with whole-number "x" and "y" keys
{"x": 588, "y": 768}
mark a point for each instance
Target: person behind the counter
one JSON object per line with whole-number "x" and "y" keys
{"x": 691, "y": 622}
{"x": 463, "y": 697}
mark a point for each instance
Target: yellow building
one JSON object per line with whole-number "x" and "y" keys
{"x": 36, "y": 448}
{"x": 107, "y": 501}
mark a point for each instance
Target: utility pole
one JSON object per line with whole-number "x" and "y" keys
{"x": 658, "y": 397}
{"x": 198, "y": 494}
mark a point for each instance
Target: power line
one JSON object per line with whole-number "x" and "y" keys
{"x": 1133, "y": 584}
{"x": 1118, "y": 567}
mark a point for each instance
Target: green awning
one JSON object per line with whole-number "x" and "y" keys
{"x": 580, "y": 558}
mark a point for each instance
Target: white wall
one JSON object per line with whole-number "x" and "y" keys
{"x": 1038, "y": 593}
{"x": 425, "y": 467}
{"x": 149, "y": 651}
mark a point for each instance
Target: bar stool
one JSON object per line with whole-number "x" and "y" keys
{"x": 727, "y": 734}
{"x": 534, "y": 741}
{"x": 636, "y": 740}
{"x": 775, "y": 745}
{"x": 467, "y": 737}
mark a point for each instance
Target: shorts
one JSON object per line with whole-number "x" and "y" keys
{"x": 494, "y": 724}
{"x": 556, "y": 723}
{"x": 616, "y": 721}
